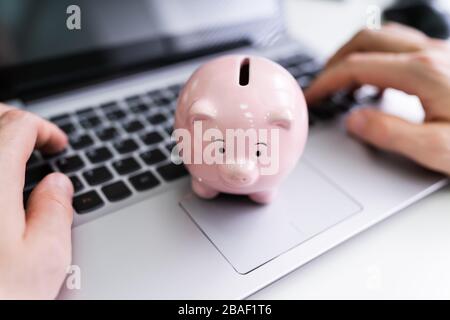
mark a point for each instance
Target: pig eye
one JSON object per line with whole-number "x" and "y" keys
{"x": 259, "y": 152}
{"x": 220, "y": 149}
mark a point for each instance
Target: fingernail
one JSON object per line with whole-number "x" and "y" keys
{"x": 356, "y": 121}
{"x": 61, "y": 182}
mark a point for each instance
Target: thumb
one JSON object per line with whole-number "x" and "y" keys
{"x": 387, "y": 132}
{"x": 49, "y": 209}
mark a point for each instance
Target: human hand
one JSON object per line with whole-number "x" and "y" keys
{"x": 35, "y": 247}
{"x": 405, "y": 59}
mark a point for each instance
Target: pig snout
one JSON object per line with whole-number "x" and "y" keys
{"x": 239, "y": 174}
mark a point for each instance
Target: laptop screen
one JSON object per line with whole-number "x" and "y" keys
{"x": 46, "y": 44}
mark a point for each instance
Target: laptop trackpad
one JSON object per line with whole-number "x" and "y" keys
{"x": 249, "y": 235}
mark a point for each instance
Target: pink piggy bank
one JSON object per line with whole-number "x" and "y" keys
{"x": 241, "y": 125}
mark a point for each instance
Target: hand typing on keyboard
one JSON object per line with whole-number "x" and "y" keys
{"x": 401, "y": 58}
{"x": 35, "y": 241}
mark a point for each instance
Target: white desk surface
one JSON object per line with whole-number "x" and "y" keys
{"x": 407, "y": 255}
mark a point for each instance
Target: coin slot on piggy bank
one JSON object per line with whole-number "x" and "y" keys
{"x": 241, "y": 125}
{"x": 244, "y": 72}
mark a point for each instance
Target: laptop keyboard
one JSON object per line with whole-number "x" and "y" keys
{"x": 122, "y": 148}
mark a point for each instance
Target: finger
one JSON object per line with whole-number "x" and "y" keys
{"x": 49, "y": 138}
{"x": 383, "y": 70}
{"x": 50, "y": 212}
{"x": 48, "y": 229}
{"x": 4, "y": 108}
{"x": 392, "y": 39}
{"x": 426, "y": 144}
{"x": 13, "y": 154}
{"x": 19, "y": 133}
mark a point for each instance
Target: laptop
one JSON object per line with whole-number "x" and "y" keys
{"x": 112, "y": 82}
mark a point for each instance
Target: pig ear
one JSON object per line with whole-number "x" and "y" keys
{"x": 202, "y": 110}
{"x": 281, "y": 118}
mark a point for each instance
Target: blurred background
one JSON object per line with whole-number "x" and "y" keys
{"x": 326, "y": 24}
{"x": 28, "y": 28}
{"x": 150, "y": 33}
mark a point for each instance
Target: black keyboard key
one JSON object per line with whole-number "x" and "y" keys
{"x": 153, "y": 156}
{"x": 107, "y": 133}
{"x": 26, "y": 195}
{"x": 133, "y": 100}
{"x": 156, "y": 118}
{"x": 175, "y": 89}
{"x": 162, "y": 100}
{"x": 33, "y": 159}
{"x": 172, "y": 171}
{"x": 85, "y": 112}
{"x": 133, "y": 126}
{"x": 296, "y": 72}
{"x": 344, "y": 100}
{"x": 109, "y": 106}
{"x": 144, "y": 181}
{"x": 77, "y": 184}
{"x": 140, "y": 108}
{"x": 87, "y": 202}
{"x": 169, "y": 130}
{"x": 125, "y": 146}
{"x": 116, "y": 115}
{"x": 170, "y": 146}
{"x": 97, "y": 175}
{"x": 68, "y": 128}
{"x": 99, "y": 154}
{"x": 295, "y": 60}
{"x": 325, "y": 110}
{"x": 126, "y": 166}
{"x": 36, "y": 174}
{"x": 81, "y": 141}
{"x": 151, "y": 138}
{"x": 312, "y": 69}
{"x": 69, "y": 164}
{"x": 48, "y": 156}
{"x": 60, "y": 118}
{"x": 158, "y": 97}
{"x": 116, "y": 191}
{"x": 90, "y": 122}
